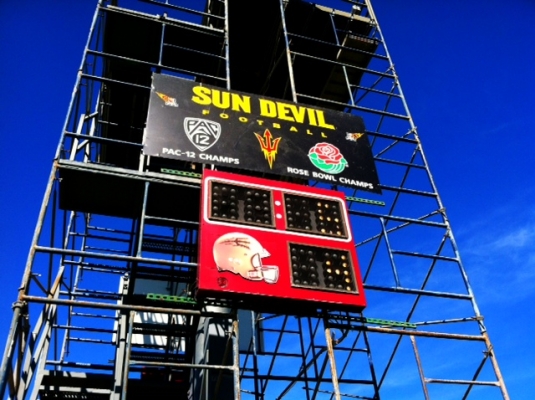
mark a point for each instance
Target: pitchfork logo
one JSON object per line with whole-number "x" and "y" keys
{"x": 269, "y": 146}
{"x": 202, "y": 133}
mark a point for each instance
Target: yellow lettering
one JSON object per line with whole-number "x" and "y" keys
{"x": 321, "y": 120}
{"x": 268, "y": 108}
{"x": 223, "y": 115}
{"x": 298, "y": 113}
{"x": 323, "y": 135}
{"x": 205, "y": 112}
{"x": 220, "y": 99}
{"x": 203, "y": 95}
{"x": 243, "y": 119}
{"x": 311, "y": 117}
{"x": 284, "y": 111}
{"x": 260, "y": 122}
{"x": 308, "y": 132}
{"x": 241, "y": 103}
{"x": 293, "y": 129}
{"x": 276, "y": 126}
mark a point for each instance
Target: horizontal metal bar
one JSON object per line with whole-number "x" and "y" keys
{"x": 88, "y": 340}
{"x": 351, "y": 396}
{"x": 180, "y": 173}
{"x": 406, "y": 164}
{"x": 115, "y": 306}
{"x": 355, "y": 107}
{"x": 438, "y": 335}
{"x": 84, "y": 328}
{"x": 175, "y": 7}
{"x": 130, "y": 173}
{"x": 387, "y": 322}
{"x": 337, "y": 348}
{"x": 163, "y": 67}
{"x": 87, "y": 254}
{"x": 107, "y": 250}
{"x": 71, "y": 392}
{"x": 462, "y": 382}
{"x": 146, "y": 63}
{"x": 83, "y": 365}
{"x": 174, "y": 46}
{"x": 171, "y": 299}
{"x": 168, "y": 21}
{"x": 408, "y": 191}
{"x": 392, "y": 137}
{"x": 309, "y": 379}
{"x": 372, "y": 90}
{"x": 421, "y": 255}
{"x": 80, "y": 291}
{"x": 100, "y": 237}
{"x": 118, "y": 271}
{"x": 183, "y": 365}
{"x": 112, "y": 230}
{"x": 97, "y": 267}
{"x": 449, "y": 321}
{"x": 102, "y": 139}
{"x": 114, "y": 297}
{"x": 395, "y": 228}
{"x": 418, "y": 292}
{"x": 340, "y": 46}
{"x": 351, "y": 66}
{"x": 86, "y": 315}
{"x": 350, "y": 199}
{"x": 400, "y": 219}
{"x": 114, "y": 124}
{"x": 108, "y": 80}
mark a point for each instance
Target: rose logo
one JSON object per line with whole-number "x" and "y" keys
{"x": 327, "y": 158}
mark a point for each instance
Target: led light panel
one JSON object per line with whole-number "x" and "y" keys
{"x": 272, "y": 244}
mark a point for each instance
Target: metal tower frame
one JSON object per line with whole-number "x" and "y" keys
{"x": 84, "y": 325}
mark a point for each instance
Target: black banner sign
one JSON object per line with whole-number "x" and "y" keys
{"x": 191, "y": 121}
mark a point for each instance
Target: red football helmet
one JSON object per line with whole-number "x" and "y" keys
{"x": 242, "y": 254}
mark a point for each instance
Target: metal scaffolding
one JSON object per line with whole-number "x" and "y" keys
{"x": 105, "y": 308}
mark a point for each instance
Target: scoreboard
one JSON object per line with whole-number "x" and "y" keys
{"x": 263, "y": 240}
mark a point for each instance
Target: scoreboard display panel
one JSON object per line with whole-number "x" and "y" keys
{"x": 262, "y": 239}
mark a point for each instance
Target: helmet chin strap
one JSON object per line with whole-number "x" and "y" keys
{"x": 267, "y": 273}
{"x": 255, "y": 275}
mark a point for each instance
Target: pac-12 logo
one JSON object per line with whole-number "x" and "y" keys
{"x": 202, "y": 133}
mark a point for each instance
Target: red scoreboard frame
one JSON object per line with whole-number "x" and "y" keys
{"x": 263, "y": 240}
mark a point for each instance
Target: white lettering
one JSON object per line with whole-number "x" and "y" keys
{"x": 325, "y": 177}
{"x": 354, "y": 182}
{"x": 221, "y": 159}
{"x": 165, "y": 150}
{"x": 297, "y": 171}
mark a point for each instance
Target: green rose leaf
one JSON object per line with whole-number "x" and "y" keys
{"x": 323, "y": 166}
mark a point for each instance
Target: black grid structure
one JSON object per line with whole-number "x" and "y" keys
{"x": 106, "y": 308}
{"x": 241, "y": 204}
{"x": 324, "y": 268}
{"x": 323, "y": 217}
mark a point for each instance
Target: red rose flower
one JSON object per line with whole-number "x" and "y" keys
{"x": 327, "y": 153}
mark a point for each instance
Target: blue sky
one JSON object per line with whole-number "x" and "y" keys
{"x": 466, "y": 69}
